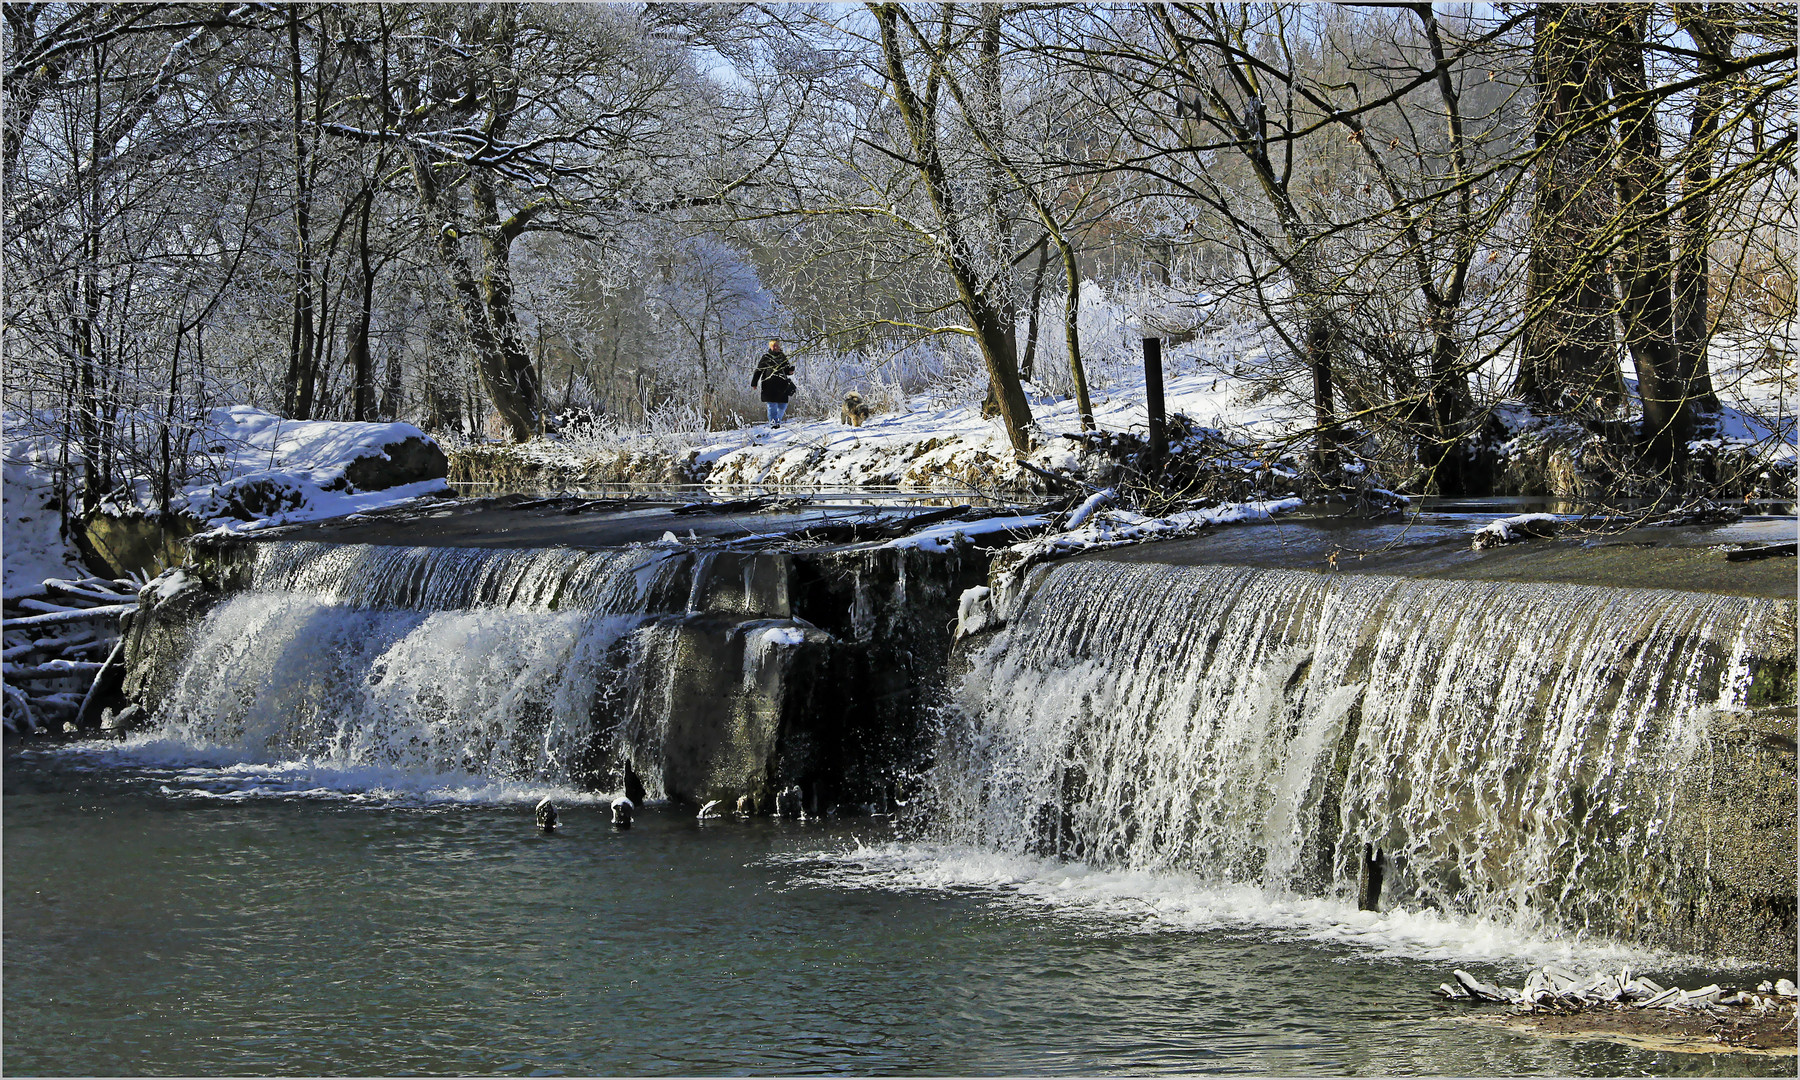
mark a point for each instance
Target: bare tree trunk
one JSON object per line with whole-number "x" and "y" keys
{"x": 1031, "y": 317}
{"x": 392, "y": 387}
{"x": 513, "y": 384}
{"x": 1318, "y": 358}
{"x": 362, "y": 362}
{"x": 1072, "y": 331}
{"x": 480, "y": 300}
{"x": 992, "y": 118}
{"x": 87, "y": 397}
{"x": 1711, "y": 29}
{"x": 997, "y": 341}
{"x": 1568, "y": 345}
{"x": 1643, "y": 265}
{"x": 298, "y": 387}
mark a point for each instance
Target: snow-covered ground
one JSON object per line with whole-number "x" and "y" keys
{"x": 262, "y": 470}
{"x": 924, "y": 444}
{"x": 253, "y": 470}
{"x": 32, "y": 542}
{"x": 1222, "y": 382}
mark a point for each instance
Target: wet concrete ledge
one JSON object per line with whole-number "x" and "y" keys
{"x": 514, "y": 522}
{"x": 1690, "y": 559}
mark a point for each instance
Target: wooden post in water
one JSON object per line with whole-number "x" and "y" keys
{"x": 1153, "y": 396}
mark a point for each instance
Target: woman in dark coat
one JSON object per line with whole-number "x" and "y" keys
{"x": 775, "y": 373}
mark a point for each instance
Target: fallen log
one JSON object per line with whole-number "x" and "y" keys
{"x": 69, "y": 588}
{"x": 58, "y": 618}
{"x": 54, "y": 669}
{"x": 106, "y": 683}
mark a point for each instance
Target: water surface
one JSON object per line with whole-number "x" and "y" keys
{"x": 171, "y": 918}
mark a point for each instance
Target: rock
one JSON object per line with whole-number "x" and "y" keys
{"x": 1786, "y": 988}
{"x": 1514, "y": 529}
{"x": 622, "y": 809}
{"x": 788, "y": 802}
{"x": 144, "y": 543}
{"x": 131, "y": 716}
{"x": 171, "y": 608}
{"x": 745, "y": 806}
{"x": 408, "y": 461}
{"x": 546, "y": 815}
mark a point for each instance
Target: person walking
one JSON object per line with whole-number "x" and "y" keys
{"x": 775, "y": 373}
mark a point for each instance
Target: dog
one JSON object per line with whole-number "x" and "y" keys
{"x": 854, "y": 413}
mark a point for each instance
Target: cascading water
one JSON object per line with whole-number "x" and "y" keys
{"x": 430, "y": 662}
{"x": 1512, "y": 751}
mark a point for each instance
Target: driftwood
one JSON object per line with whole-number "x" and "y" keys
{"x": 62, "y": 648}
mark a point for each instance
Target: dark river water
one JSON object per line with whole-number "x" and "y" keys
{"x": 163, "y": 918}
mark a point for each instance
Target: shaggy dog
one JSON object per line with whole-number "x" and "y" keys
{"x": 854, "y": 412}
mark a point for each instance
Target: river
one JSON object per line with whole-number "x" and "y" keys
{"x": 168, "y": 911}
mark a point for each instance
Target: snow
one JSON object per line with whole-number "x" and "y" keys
{"x": 762, "y": 642}
{"x": 256, "y": 470}
{"x": 1517, "y": 527}
{"x": 34, "y": 548}
{"x": 771, "y": 636}
{"x": 974, "y": 611}
{"x": 242, "y": 440}
{"x": 167, "y": 584}
{"x": 1110, "y": 528}
{"x": 317, "y": 504}
{"x": 267, "y": 470}
{"x": 1086, "y": 510}
{"x": 925, "y": 444}
{"x": 952, "y": 534}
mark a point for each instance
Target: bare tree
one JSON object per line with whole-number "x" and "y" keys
{"x": 919, "y": 111}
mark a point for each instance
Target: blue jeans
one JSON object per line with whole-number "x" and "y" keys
{"x": 777, "y": 410}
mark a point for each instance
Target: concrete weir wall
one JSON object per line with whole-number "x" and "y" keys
{"x": 744, "y": 674}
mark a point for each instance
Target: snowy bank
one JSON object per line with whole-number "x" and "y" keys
{"x": 248, "y": 469}
{"x": 923, "y": 445}
{"x": 35, "y": 548}
{"x": 260, "y": 470}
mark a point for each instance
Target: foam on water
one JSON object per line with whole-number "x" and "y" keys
{"x": 181, "y": 770}
{"x": 1123, "y": 900}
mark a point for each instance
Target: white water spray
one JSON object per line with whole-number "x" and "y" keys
{"x": 427, "y": 662}
{"x": 1513, "y": 751}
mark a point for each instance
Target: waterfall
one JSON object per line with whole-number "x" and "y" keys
{"x": 430, "y": 662}
{"x": 1513, "y": 751}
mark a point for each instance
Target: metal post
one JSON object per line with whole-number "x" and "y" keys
{"x": 1153, "y": 396}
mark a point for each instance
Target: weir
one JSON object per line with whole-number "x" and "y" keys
{"x": 1562, "y": 758}
{"x": 658, "y": 671}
